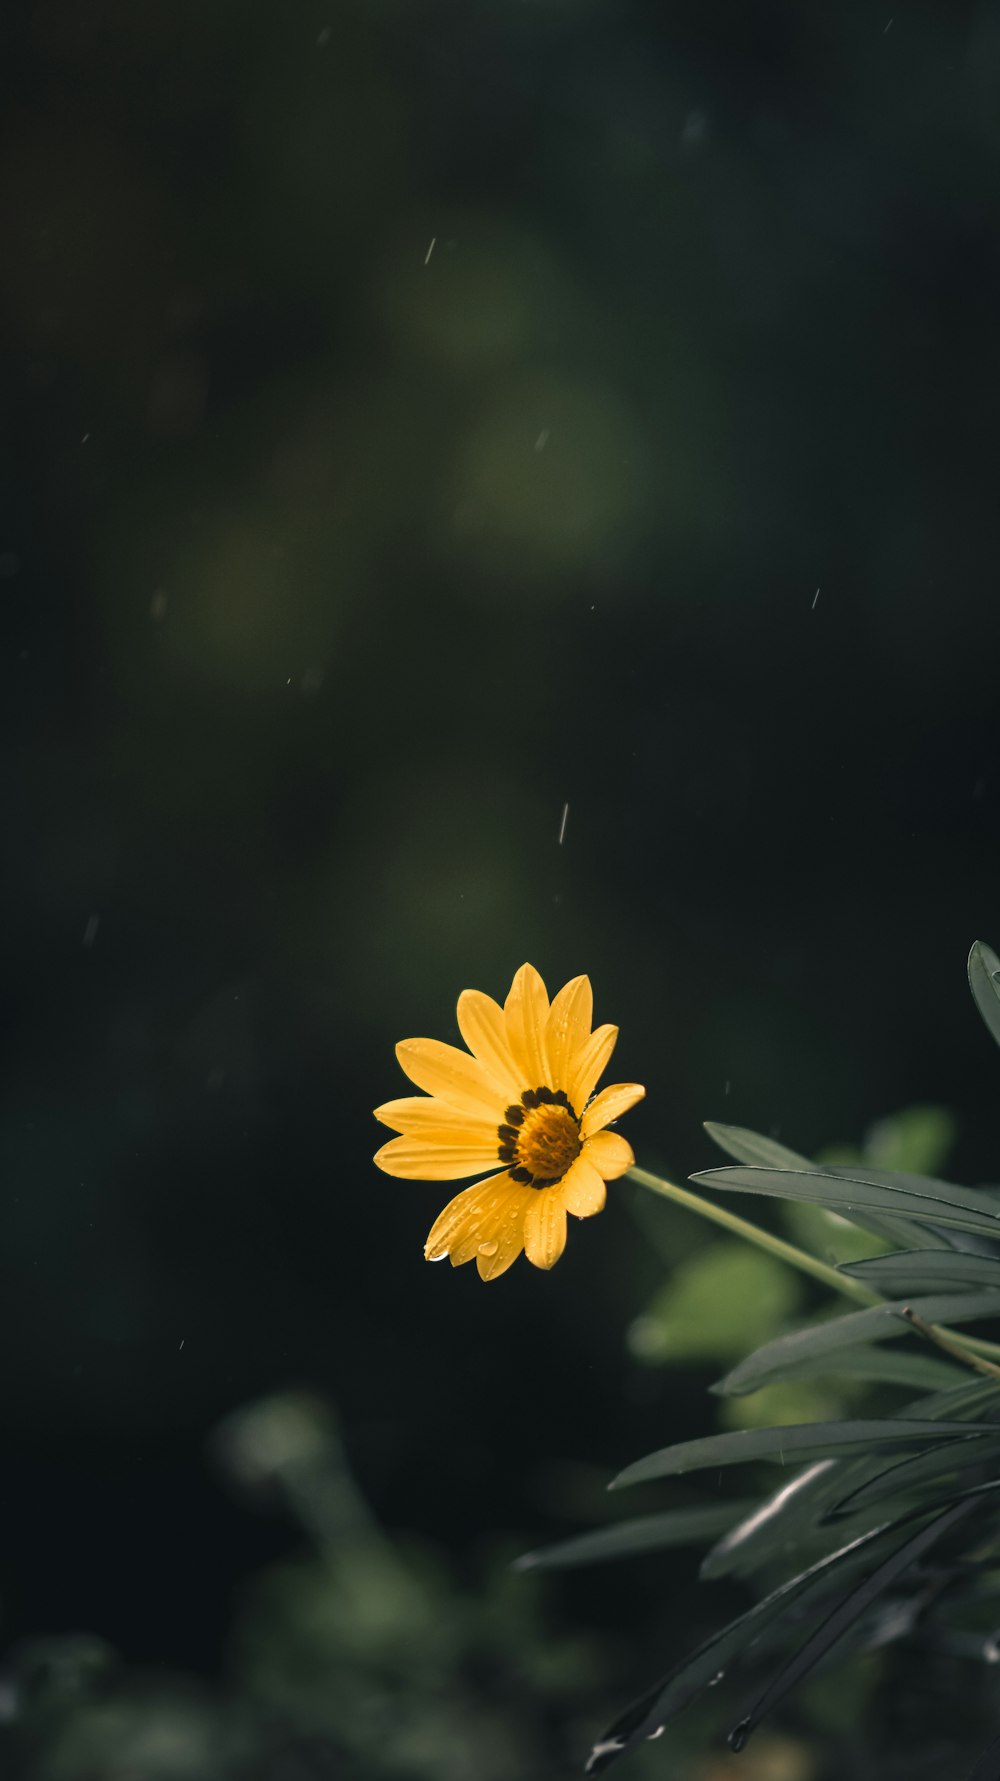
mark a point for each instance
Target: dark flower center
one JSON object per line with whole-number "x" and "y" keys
{"x": 540, "y": 1137}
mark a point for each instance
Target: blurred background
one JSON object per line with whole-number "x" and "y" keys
{"x": 479, "y": 483}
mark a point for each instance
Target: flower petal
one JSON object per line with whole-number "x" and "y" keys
{"x": 526, "y": 1011}
{"x": 424, "y": 1114}
{"x": 609, "y": 1153}
{"x": 445, "y": 1071}
{"x": 545, "y": 1228}
{"x": 506, "y": 1253}
{"x": 481, "y": 1024}
{"x": 443, "y": 1158}
{"x": 590, "y": 1063}
{"x": 568, "y": 1029}
{"x": 490, "y": 1212}
{"x": 610, "y": 1104}
{"x": 583, "y": 1190}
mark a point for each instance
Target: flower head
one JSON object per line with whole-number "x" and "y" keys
{"x": 520, "y": 1096}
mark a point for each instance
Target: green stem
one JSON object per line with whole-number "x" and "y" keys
{"x": 801, "y": 1259}
{"x": 752, "y": 1233}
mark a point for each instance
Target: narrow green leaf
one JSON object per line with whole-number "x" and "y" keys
{"x": 956, "y": 1403}
{"x": 780, "y": 1523}
{"x": 754, "y": 1148}
{"x": 984, "y": 982}
{"x": 882, "y": 1323}
{"x": 645, "y": 1533}
{"x": 925, "y": 1270}
{"x": 975, "y": 1448}
{"x": 791, "y": 1445}
{"x": 879, "y": 1363}
{"x": 647, "y": 1716}
{"x": 757, "y": 1151}
{"x": 844, "y": 1616}
{"x": 793, "y": 1512}
{"x": 865, "y": 1190}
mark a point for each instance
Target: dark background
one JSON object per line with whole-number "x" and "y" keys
{"x": 333, "y": 565}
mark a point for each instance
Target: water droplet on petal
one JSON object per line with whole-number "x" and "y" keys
{"x": 488, "y": 1248}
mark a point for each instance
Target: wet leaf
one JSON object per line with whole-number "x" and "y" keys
{"x": 844, "y": 1616}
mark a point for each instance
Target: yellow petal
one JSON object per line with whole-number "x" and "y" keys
{"x": 426, "y": 1115}
{"x": 568, "y": 1029}
{"x": 590, "y": 1063}
{"x": 481, "y": 1024}
{"x": 490, "y": 1212}
{"x": 443, "y": 1158}
{"x": 445, "y": 1071}
{"x": 609, "y": 1153}
{"x": 583, "y": 1190}
{"x": 526, "y": 1011}
{"x": 545, "y": 1228}
{"x": 498, "y": 1239}
{"x": 506, "y": 1253}
{"x": 610, "y": 1104}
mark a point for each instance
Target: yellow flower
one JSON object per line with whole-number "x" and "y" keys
{"x": 522, "y": 1098}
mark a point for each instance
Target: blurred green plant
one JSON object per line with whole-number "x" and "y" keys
{"x": 355, "y": 1657}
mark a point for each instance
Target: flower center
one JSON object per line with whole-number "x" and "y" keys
{"x": 540, "y": 1137}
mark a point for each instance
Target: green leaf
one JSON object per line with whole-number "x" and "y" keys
{"x": 791, "y": 1400}
{"x": 794, "y": 1510}
{"x": 714, "y": 1304}
{"x": 972, "y": 1449}
{"x": 647, "y": 1716}
{"x": 783, "y": 1520}
{"x": 955, "y": 1403}
{"x": 984, "y": 982}
{"x": 925, "y": 1270}
{"x": 645, "y": 1533}
{"x": 881, "y": 1323}
{"x": 881, "y": 1365}
{"x": 844, "y": 1615}
{"x": 872, "y": 1190}
{"x": 753, "y": 1149}
{"x": 790, "y": 1445}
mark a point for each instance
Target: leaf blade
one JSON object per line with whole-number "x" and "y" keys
{"x": 796, "y": 1443}
{"x": 925, "y": 1270}
{"x": 844, "y": 1616}
{"x": 856, "y": 1192}
{"x": 984, "y": 982}
{"x": 880, "y": 1323}
{"x": 643, "y": 1533}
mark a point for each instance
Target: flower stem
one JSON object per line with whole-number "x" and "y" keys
{"x": 962, "y": 1347}
{"x": 752, "y": 1233}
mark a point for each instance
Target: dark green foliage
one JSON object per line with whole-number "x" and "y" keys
{"x": 841, "y": 1548}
